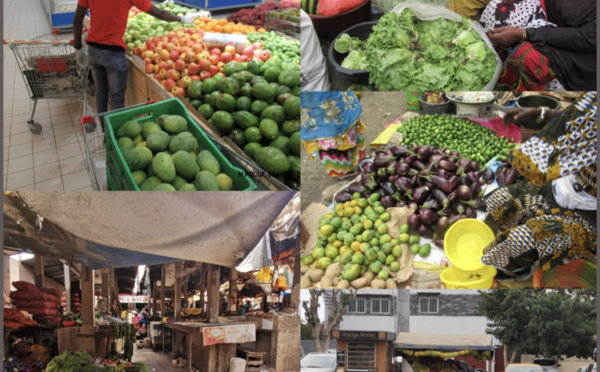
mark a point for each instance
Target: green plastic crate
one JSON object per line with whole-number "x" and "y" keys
{"x": 120, "y": 178}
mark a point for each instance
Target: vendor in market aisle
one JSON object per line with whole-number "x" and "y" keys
{"x": 545, "y": 44}
{"x": 22, "y": 359}
{"x": 106, "y": 47}
{"x": 551, "y": 216}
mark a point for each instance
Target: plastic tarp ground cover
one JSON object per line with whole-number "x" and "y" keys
{"x": 443, "y": 342}
{"x": 217, "y": 228}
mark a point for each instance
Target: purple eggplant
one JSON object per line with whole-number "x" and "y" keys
{"x": 413, "y": 205}
{"x": 413, "y": 172}
{"x": 382, "y": 161}
{"x": 463, "y": 180}
{"x": 511, "y": 176}
{"x": 463, "y": 166}
{"x": 400, "y": 151}
{"x": 481, "y": 204}
{"x": 444, "y": 164}
{"x": 437, "y": 151}
{"x": 402, "y": 168}
{"x": 417, "y": 164}
{"x": 439, "y": 182}
{"x": 454, "y": 153}
{"x": 472, "y": 178}
{"x": 463, "y": 192}
{"x": 427, "y": 216}
{"x": 436, "y": 158}
{"x": 428, "y": 184}
{"x": 454, "y": 181}
{"x": 453, "y": 160}
{"x": 441, "y": 198}
{"x": 474, "y": 166}
{"x": 442, "y": 173}
{"x": 410, "y": 159}
{"x": 382, "y": 173}
{"x": 500, "y": 178}
{"x": 387, "y": 201}
{"x": 424, "y": 231}
{"x": 458, "y": 208}
{"x": 441, "y": 227}
{"x": 424, "y": 152}
{"x": 356, "y": 187}
{"x": 432, "y": 204}
{"x": 420, "y": 194}
{"x": 391, "y": 167}
{"x": 369, "y": 167}
{"x": 401, "y": 203}
{"x": 475, "y": 190}
{"x": 489, "y": 175}
{"x": 403, "y": 184}
{"x": 413, "y": 222}
{"x": 452, "y": 197}
{"x": 388, "y": 187}
{"x": 456, "y": 218}
{"x": 343, "y": 197}
{"x": 393, "y": 177}
{"x": 413, "y": 180}
{"x": 380, "y": 192}
{"x": 470, "y": 212}
{"x": 368, "y": 181}
{"x": 439, "y": 243}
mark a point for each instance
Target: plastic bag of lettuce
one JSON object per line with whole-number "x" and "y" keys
{"x": 69, "y": 361}
{"x": 420, "y": 47}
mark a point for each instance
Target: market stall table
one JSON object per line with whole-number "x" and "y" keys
{"x": 213, "y": 352}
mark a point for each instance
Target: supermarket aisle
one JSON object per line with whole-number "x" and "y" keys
{"x": 54, "y": 159}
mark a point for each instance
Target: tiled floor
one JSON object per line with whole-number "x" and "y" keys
{"x": 54, "y": 159}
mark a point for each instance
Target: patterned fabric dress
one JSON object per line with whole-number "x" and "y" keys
{"x": 525, "y": 68}
{"x": 14, "y": 364}
{"x": 332, "y": 130}
{"x": 528, "y": 223}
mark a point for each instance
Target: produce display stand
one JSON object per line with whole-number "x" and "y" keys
{"x": 218, "y": 4}
{"x": 142, "y": 87}
{"x": 205, "y": 358}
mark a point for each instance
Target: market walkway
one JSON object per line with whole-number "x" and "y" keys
{"x": 54, "y": 159}
{"x": 155, "y": 361}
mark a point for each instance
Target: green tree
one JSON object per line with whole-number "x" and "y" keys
{"x": 321, "y": 331}
{"x": 560, "y": 323}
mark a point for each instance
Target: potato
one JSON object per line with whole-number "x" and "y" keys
{"x": 316, "y": 275}
{"x": 305, "y": 282}
{"x": 326, "y": 282}
{"x": 359, "y": 283}
{"x": 378, "y": 284}
{"x": 336, "y": 280}
{"x": 369, "y": 275}
{"x": 343, "y": 284}
{"x": 391, "y": 284}
{"x": 304, "y": 269}
{"x": 334, "y": 270}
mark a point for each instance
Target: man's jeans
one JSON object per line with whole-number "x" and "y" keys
{"x": 109, "y": 69}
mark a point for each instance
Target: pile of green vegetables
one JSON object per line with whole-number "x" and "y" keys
{"x": 69, "y": 361}
{"x": 123, "y": 330}
{"x": 404, "y": 53}
{"x": 471, "y": 140}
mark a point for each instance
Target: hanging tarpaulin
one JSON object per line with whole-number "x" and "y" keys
{"x": 443, "y": 342}
{"x": 285, "y": 231}
{"x": 216, "y": 228}
{"x": 480, "y": 355}
{"x": 259, "y": 257}
{"x": 97, "y": 257}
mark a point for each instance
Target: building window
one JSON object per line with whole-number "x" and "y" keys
{"x": 428, "y": 305}
{"x": 380, "y": 306}
{"x": 358, "y": 306}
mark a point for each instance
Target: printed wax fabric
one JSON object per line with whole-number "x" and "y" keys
{"x": 14, "y": 364}
{"x": 527, "y": 222}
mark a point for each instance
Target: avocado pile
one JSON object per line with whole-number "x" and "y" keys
{"x": 164, "y": 156}
{"x": 257, "y": 105}
{"x": 356, "y": 247}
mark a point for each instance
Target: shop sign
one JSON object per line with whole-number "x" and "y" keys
{"x": 341, "y": 358}
{"x": 229, "y": 334}
{"x": 129, "y": 299}
{"x": 359, "y": 335}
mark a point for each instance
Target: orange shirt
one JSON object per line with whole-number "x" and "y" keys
{"x": 108, "y": 19}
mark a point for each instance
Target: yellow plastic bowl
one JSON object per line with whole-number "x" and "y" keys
{"x": 465, "y": 241}
{"x": 455, "y": 278}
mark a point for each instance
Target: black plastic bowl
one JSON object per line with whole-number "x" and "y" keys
{"x": 361, "y": 31}
{"x": 536, "y": 101}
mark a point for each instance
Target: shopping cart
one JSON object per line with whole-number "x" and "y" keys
{"x": 50, "y": 69}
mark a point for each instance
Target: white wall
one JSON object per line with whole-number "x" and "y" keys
{"x": 452, "y": 325}
{"x": 368, "y": 323}
{"x": 20, "y": 272}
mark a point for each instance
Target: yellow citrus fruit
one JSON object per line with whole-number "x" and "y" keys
{"x": 326, "y": 230}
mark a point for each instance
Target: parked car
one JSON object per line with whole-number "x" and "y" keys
{"x": 547, "y": 364}
{"x": 318, "y": 362}
{"x": 524, "y": 367}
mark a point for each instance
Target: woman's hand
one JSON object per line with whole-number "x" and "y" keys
{"x": 506, "y": 35}
{"x": 520, "y": 114}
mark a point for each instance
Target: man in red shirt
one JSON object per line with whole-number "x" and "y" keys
{"x": 106, "y": 47}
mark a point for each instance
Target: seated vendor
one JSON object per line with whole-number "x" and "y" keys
{"x": 550, "y": 218}
{"x": 22, "y": 359}
{"x": 545, "y": 44}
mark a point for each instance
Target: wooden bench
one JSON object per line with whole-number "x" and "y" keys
{"x": 253, "y": 357}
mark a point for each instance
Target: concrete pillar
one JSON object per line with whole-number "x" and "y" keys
{"x": 67, "y": 270}
{"x": 38, "y": 269}
{"x": 163, "y": 280}
{"x": 177, "y": 291}
{"x": 87, "y": 300}
{"x": 213, "y": 293}
{"x": 232, "y": 302}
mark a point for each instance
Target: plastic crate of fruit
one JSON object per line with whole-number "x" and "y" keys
{"x": 139, "y": 159}
{"x": 286, "y": 21}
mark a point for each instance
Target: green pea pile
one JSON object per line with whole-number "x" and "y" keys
{"x": 471, "y": 140}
